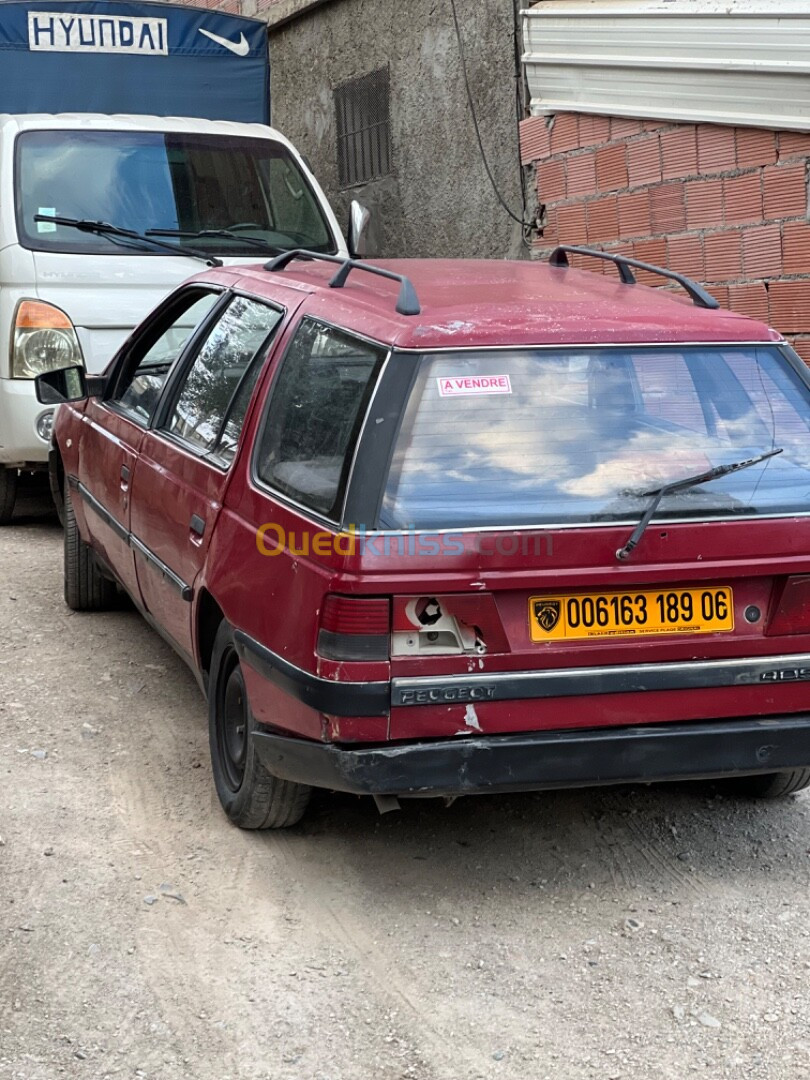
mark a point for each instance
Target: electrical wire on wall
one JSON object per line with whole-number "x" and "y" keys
{"x": 526, "y": 226}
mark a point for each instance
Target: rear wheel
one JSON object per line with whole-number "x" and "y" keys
{"x": 86, "y": 588}
{"x": 8, "y": 493}
{"x": 771, "y": 785}
{"x": 251, "y": 796}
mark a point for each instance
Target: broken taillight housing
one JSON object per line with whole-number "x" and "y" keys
{"x": 354, "y": 627}
{"x": 429, "y": 626}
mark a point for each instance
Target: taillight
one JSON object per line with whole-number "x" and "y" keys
{"x": 791, "y": 615}
{"x": 44, "y": 340}
{"x": 432, "y": 625}
{"x": 354, "y": 627}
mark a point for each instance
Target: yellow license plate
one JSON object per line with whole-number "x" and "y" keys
{"x": 631, "y": 614}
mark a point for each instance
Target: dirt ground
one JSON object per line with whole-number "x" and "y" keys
{"x": 623, "y": 933}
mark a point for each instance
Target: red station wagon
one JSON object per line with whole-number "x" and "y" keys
{"x": 442, "y": 527}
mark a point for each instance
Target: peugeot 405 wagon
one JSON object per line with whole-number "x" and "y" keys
{"x": 437, "y": 528}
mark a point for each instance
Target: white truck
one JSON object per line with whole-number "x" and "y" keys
{"x": 103, "y": 209}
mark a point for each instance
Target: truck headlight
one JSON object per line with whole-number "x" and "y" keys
{"x": 44, "y": 340}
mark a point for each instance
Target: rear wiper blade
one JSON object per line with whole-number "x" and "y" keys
{"x": 256, "y": 241}
{"x": 657, "y": 494}
{"x": 104, "y": 228}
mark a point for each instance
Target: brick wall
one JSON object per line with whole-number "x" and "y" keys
{"x": 727, "y": 206}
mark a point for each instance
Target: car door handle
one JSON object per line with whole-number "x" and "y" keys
{"x": 125, "y": 474}
{"x": 197, "y": 525}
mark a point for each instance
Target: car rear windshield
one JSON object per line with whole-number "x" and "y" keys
{"x": 581, "y": 435}
{"x": 172, "y": 181}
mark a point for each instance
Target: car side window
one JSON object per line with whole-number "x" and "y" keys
{"x": 139, "y": 390}
{"x": 213, "y": 397}
{"x": 317, "y": 406}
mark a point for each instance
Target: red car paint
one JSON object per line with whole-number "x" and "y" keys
{"x": 275, "y": 597}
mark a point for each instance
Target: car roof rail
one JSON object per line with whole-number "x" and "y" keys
{"x": 407, "y": 301}
{"x": 699, "y": 295}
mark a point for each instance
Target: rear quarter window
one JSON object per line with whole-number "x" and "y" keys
{"x": 317, "y": 405}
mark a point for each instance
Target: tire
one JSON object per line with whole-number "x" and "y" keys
{"x": 251, "y": 797}
{"x": 771, "y": 785}
{"x": 8, "y": 493}
{"x": 86, "y": 588}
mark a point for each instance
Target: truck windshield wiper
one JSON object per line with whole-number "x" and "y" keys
{"x": 657, "y": 494}
{"x": 103, "y": 228}
{"x": 240, "y": 238}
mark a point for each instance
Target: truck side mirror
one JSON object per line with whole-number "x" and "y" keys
{"x": 359, "y": 218}
{"x": 57, "y": 387}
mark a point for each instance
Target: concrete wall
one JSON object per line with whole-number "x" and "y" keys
{"x": 438, "y": 200}
{"x": 727, "y": 206}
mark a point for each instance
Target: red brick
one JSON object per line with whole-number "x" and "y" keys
{"x": 679, "y": 153}
{"x": 802, "y": 347}
{"x": 564, "y": 133}
{"x": 603, "y": 220}
{"x": 755, "y": 147}
{"x": 750, "y": 299}
{"x": 634, "y": 213}
{"x": 667, "y": 208}
{"x": 785, "y": 191}
{"x": 581, "y": 174}
{"x": 716, "y": 148}
{"x": 790, "y": 306}
{"x": 571, "y": 224}
{"x": 650, "y": 251}
{"x": 793, "y": 144}
{"x": 720, "y": 293}
{"x": 551, "y": 227}
{"x": 593, "y": 130}
{"x": 723, "y": 256}
{"x": 644, "y": 160}
{"x": 685, "y": 254}
{"x": 796, "y": 247}
{"x": 762, "y": 251}
{"x": 535, "y": 140}
{"x": 742, "y": 198}
{"x": 622, "y": 127}
{"x": 611, "y": 167}
{"x": 704, "y": 204}
{"x": 551, "y": 181}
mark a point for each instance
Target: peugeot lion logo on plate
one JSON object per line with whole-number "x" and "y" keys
{"x": 547, "y": 614}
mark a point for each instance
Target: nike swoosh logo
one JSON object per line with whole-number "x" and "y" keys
{"x": 240, "y": 47}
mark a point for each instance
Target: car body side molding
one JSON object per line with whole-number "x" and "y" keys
{"x": 333, "y": 698}
{"x": 186, "y": 591}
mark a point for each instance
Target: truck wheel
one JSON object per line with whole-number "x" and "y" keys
{"x": 86, "y": 588}
{"x": 251, "y": 796}
{"x": 772, "y": 785}
{"x": 8, "y": 493}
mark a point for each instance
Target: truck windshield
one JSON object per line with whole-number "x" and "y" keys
{"x": 583, "y": 435}
{"x": 230, "y": 186}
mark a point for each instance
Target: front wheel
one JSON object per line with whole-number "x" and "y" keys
{"x": 771, "y": 785}
{"x": 8, "y": 493}
{"x": 251, "y": 796}
{"x": 86, "y": 588}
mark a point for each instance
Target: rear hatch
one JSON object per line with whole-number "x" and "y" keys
{"x": 517, "y": 481}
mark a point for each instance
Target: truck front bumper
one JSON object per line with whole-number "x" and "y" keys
{"x": 544, "y": 759}
{"x": 20, "y": 445}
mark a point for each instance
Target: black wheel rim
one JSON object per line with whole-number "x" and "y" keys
{"x": 232, "y": 723}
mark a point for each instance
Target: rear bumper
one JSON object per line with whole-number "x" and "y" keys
{"x": 547, "y": 759}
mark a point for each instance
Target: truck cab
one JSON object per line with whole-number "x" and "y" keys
{"x": 105, "y": 211}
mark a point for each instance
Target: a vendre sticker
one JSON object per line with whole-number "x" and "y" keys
{"x": 456, "y": 386}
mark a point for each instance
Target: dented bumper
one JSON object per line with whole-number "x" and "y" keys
{"x": 547, "y": 759}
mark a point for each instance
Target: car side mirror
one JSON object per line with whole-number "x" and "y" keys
{"x": 359, "y": 218}
{"x": 58, "y": 387}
